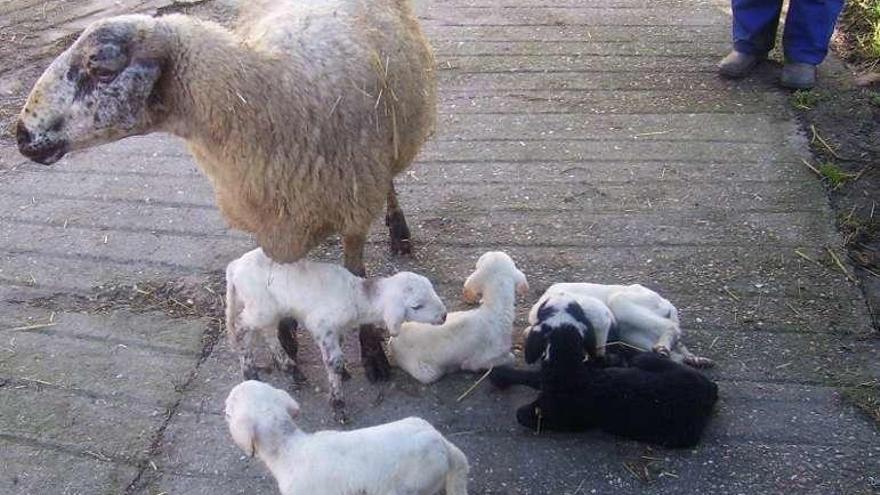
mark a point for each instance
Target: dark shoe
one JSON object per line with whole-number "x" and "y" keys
{"x": 798, "y": 76}
{"x": 737, "y": 64}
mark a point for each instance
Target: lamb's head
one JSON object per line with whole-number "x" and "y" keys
{"x": 407, "y": 296}
{"x": 563, "y": 333}
{"x": 99, "y": 90}
{"x": 257, "y": 412}
{"x": 493, "y": 266}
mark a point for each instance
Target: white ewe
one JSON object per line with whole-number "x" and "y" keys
{"x": 325, "y": 299}
{"x": 469, "y": 340}
{"x": 404, "y": 457}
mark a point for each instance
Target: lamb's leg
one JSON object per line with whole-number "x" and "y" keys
{"x": 396, "y": 222}
{"x": 242, "y": 342}
{"x": 372, "y": 354}
{"x": 334, "y": 364}
{"x": 693, "y": 360}
{"x": 284, "y": 351}
{"x": 505, "y": 376}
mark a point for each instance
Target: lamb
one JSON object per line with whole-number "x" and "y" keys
{"x": 640, "y": 318}
{"x": 654, "y": 400}
{"x": 469, "y": 340}
{"x": 325, "y": 299}
{"x": 301, "y": 117}
{"x": 407, "y": 456}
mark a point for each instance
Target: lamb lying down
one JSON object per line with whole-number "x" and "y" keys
{"x": 404, "y": 457}
{"x": 469, "y": 340}
{"x": 654, "y": 400}
{"x": 641, "y": 318}
{"x": 325, "y": 299}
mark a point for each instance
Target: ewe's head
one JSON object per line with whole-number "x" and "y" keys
{"x": 563, "y": 333}
{"x": 493, "y": 267}
{"x": 256, "y": 412}
{"x": 410, "y": 297}
{"x": 99, "y": 90}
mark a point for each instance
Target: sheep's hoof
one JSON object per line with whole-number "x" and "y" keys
{"x": 377, "y": 368}
{"x": 401, "y": 246}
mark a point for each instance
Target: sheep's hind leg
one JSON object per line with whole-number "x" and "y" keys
{"x": 396, "y": 223}
{"x": 373, "y": 356}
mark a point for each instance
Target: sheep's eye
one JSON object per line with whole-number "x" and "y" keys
{"x": 104, "y": 75}
{"x": 418, "y": 307}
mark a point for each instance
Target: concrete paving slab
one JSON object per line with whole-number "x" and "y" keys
{"x": 591, "y": 142}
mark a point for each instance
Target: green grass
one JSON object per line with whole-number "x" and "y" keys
{"x": 874, "y": 98}
{"x": 866, "y": 397}
{"x": 835, "y": 176}
{"x": 860, "y": 24}
{"x": 806, "y": 99}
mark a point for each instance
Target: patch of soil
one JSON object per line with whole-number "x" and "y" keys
{"x": 843, "y": 123}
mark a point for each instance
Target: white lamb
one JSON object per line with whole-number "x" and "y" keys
{"x": 404, "y": 457}
{"x": 469, "y": 340}
{"x": 326, "y": 299}
{"x": 641, "y": 318}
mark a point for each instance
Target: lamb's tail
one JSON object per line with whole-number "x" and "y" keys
{"x": 457, "y": 477}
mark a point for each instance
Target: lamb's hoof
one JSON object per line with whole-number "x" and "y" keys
{"x": 338, "y": 408}
{"x": 377, "y": 368}
{"x": 497, "y": 379}
{"x": 346, "y": 376}
{"x": 661, "y": 350}
{"x": 698, "y": 362}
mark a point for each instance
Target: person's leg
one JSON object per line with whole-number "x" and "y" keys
{"x": 808, "y": 29}
{"x": 754, "y": 33}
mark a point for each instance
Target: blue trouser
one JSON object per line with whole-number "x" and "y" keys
{"x": 808, "y": 27}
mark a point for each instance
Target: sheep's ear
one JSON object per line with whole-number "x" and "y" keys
{"x": 394, "y": 315}
{"x": 245, "y": 435}
{"x": 536, "y": 343}
{"x": 522, "y": 285}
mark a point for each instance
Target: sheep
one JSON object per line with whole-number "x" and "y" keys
{"x": 469, "y": 340}
{"x": 640, "y": 318}
{"x": 326, "y": 299}
{"x": 300, "y": 117}
{"x": 404, "y": 457}
{"x": 654, "y": 400}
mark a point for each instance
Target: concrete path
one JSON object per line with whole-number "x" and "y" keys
{"x": 591, "y": 141}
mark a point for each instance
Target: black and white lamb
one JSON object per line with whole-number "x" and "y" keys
{"x": 653, "y": 400}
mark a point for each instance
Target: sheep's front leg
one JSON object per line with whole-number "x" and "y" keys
{"x": 335, "y": 366}
{"x": 372, "y": 354}
{"x": 397, "y": 227}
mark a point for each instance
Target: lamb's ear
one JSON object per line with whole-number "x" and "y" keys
{"x": 290, "y": 405}
{"x": 536, "y": 343}
{"x": 244, "y": 433}
{"x": 522, "y": 285}
{"x": 394, "y": 315}
{"x": 473, "y": 288}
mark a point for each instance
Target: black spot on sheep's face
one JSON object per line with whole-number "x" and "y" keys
{"x": 99, "y": 90}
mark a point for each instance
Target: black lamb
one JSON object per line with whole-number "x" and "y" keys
{"x": 653, "y": 399}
